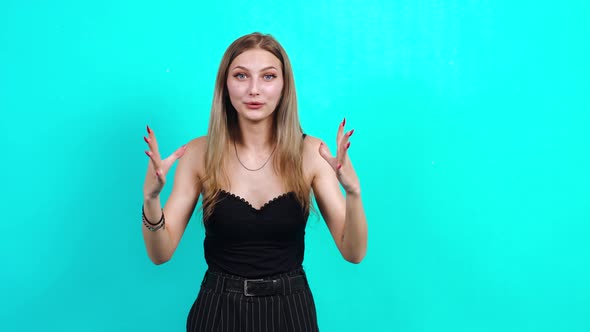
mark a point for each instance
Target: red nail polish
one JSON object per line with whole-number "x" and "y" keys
{"x": 145, "y": 139}
{"x": 348, "y": 145}
{"x": 339, "y": 166}
{"x": 148, "y": 153}
{"x": 148, "y": 129}
{"x": 350, "y": 133}
{"x": 343, "y": 122}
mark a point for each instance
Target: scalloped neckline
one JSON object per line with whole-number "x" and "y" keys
{"x": 283, "y": 195}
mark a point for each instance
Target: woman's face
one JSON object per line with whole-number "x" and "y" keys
{"x": 255, "y": 83}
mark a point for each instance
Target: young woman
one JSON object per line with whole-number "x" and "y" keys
{"x": 255, "y": 171}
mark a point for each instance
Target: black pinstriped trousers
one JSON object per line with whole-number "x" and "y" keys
{"x": 218, "y": 310}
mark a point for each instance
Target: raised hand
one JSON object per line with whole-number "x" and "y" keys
{"x": 341, "y": 163}
{"x": 157, "y": 168}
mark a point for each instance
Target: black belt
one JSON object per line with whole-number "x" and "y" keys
{"x": 255, "y": 287}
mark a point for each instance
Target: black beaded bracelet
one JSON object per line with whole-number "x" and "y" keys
{"x": 153, "y": 229}
{"x": 153, "y": 226}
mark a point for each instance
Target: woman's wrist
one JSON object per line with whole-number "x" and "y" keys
{"x": 355, "y": 191}
{"x": 150, "y": 197}
{"x": 153, "y": 225}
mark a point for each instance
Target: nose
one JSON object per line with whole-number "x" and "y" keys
{"x": 254, "y": 88}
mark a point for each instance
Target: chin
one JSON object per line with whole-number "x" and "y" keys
{"x": 254, "y": 115}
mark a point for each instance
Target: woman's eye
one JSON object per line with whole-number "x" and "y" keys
{"x": 240, "y": 76}
{"x": 269, "y": 77}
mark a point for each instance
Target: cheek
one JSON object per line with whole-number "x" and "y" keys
{"x": 276, "y": 91}
{"x": 234, "y": 89}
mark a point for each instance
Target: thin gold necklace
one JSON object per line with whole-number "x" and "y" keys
{"x": 250, "y": 169}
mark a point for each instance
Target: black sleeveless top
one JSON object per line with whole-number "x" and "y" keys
{"x": 249, "y": 242}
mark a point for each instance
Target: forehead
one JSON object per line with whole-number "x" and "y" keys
{"x": 256, "y": 59}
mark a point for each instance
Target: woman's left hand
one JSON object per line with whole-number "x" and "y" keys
{"x": 341, "y": 163}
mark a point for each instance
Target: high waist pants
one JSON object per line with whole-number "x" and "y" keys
{"x": 216, "y": 309}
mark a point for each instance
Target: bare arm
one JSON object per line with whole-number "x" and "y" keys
{"x": 344, "y": 215}
{"x": 354, "y": 237}
{"x": 162, "y": 243}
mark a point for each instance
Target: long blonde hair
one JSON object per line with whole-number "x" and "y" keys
{"x": 223, "y": 128}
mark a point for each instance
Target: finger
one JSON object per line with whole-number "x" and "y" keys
{"x": 340, "y": 131}
{"x": 156, "y": 164}
{"x": 174, "y": 156}
{"x": 325, "y": 153}
{"x": 154, "y": 152}
{"x": 343, "y": 154}
{"x": 180, "y": 152}
{"x": 343, "y": 146}
{"x": 152, "y": 142}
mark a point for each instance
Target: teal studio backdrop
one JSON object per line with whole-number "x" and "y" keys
{"x": 471, "y": 142}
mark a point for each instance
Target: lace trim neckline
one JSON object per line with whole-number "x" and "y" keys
{"x": 277, "y": 198}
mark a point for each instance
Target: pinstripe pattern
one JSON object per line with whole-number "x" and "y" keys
{"x": 215, "y": 310}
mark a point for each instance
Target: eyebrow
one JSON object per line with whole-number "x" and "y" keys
{"x": 263, "y": 69}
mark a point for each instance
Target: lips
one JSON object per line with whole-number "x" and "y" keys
{"x": 254, "y": 105}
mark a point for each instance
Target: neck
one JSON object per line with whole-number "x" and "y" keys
{"x": 256, "y": 136}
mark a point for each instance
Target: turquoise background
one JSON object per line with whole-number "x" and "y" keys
{"x": 471, "y": 142}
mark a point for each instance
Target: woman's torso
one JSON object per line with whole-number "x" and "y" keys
{"x": 257, "y": 227}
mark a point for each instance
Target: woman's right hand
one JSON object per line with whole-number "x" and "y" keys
{"x": 157, "y": 168}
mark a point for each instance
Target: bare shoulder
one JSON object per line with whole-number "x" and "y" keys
{"x": 311, "y": 156}
{"x": 194, "y": 156}
{"x": 311, "y": 144}
{"x": 310, "y": 140}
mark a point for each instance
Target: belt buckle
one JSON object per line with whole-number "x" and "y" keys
{"x": 246, "y": 288}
